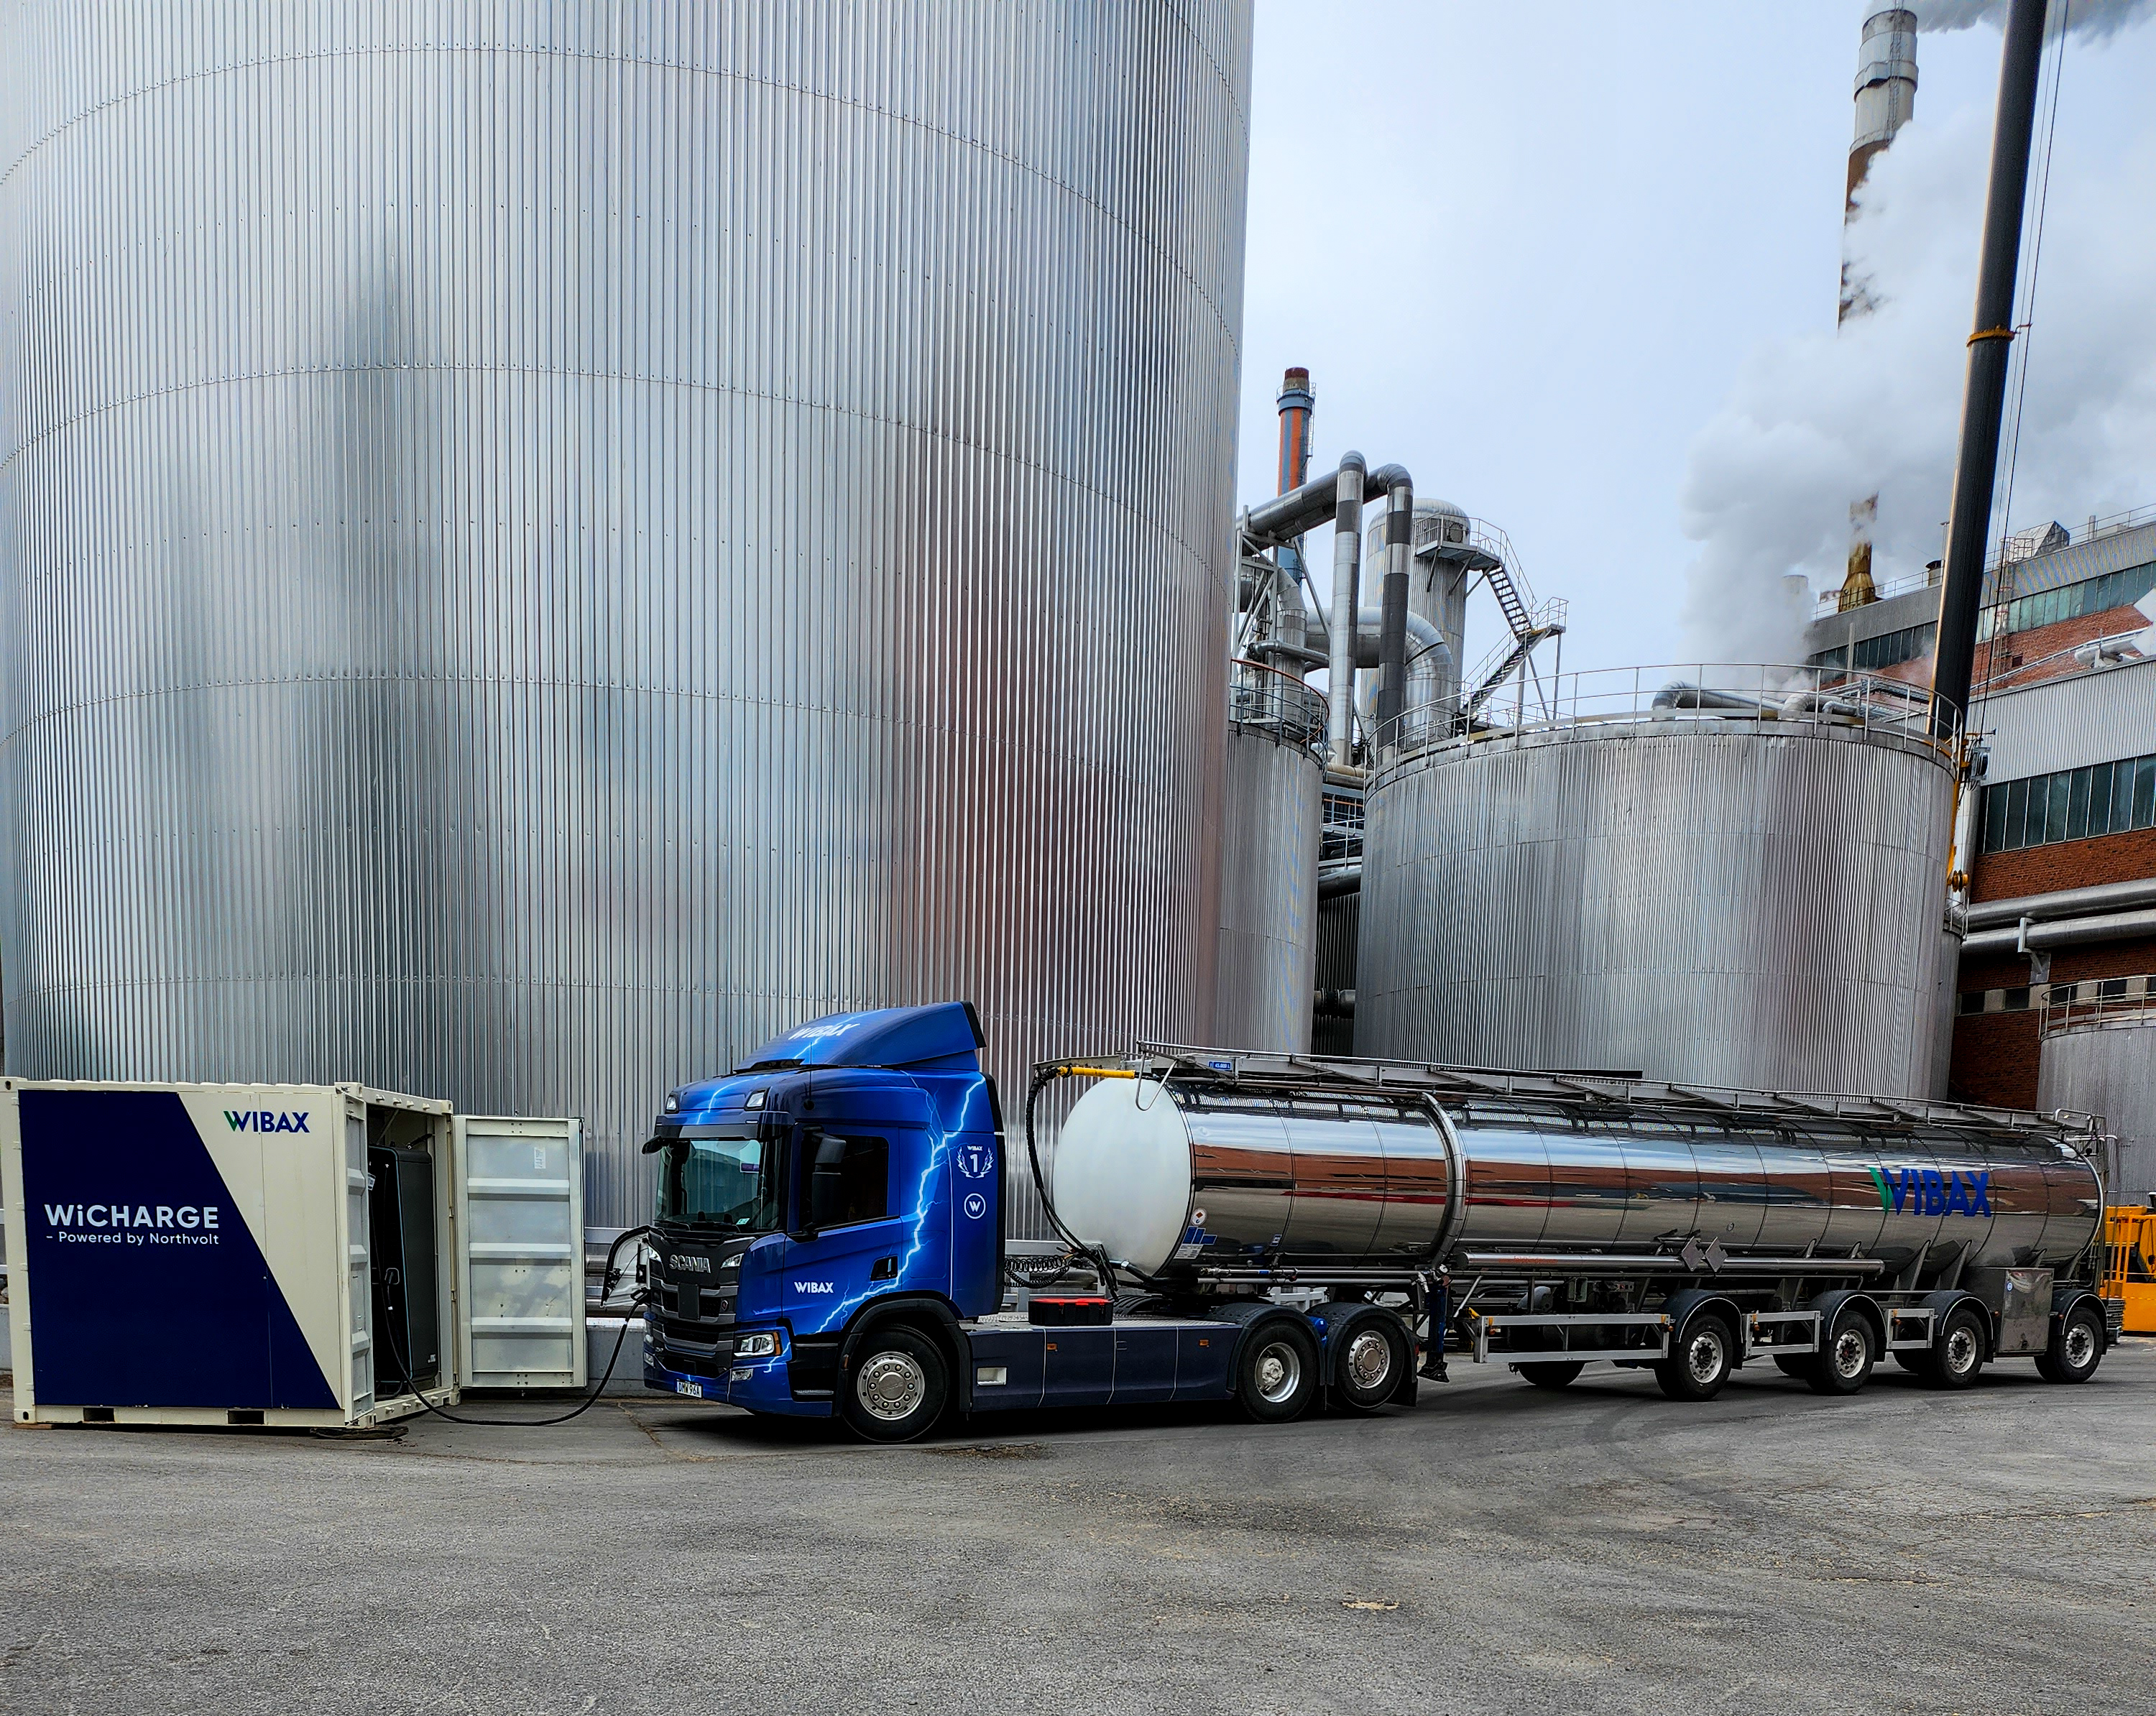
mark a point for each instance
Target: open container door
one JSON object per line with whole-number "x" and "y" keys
{"x": 521, "y": 1251}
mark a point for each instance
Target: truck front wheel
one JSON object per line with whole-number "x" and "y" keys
{"x": 895, "y": 1387}
{"x": 1277, "y": 1373}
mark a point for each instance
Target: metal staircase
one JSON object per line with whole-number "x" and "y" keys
{"x": 1530, "y": 625}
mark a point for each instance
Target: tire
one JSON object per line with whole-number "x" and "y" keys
{"x": 1796, "y": 1365}
{"x": 1552, "y": 1376}
{"x": 1956, "y": 1358}
{"x": 1845, "y": 1357}
{"x": 2077, "y": 1346}
{"x": 895, "y": 1390}
{"x": 1276, "y": 1374}
{"x": 1917, "y": 1363}
{"x": 1700, "y": 1361}
{"x": 1368, "y": 1369}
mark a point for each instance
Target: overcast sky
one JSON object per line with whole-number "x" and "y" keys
{"x": 1576, "y": 265}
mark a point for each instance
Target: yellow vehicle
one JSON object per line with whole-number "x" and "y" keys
{"x": 2131, "y": 1274}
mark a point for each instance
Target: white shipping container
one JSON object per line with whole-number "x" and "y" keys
{"x": 281, "y": 1254}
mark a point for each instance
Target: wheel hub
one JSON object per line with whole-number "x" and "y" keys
{"x": 1369, "y": 1360}
{"x": 1703, "y": 1355}
{"x": 1851, "y": 1350}
{"x": 1961, "y": 1351}
{"x": 2080, "y": 1345}
{"x": 1279, "y": 1373}
{"x": 892, "y": 1386}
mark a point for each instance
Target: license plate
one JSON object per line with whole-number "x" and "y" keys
{"x": 693, "y": 1388}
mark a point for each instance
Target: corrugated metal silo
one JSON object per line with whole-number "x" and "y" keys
{"x": 1711, "y": 895}
{"x": 1269, "y": 825}
{"x": 539, "y": 546}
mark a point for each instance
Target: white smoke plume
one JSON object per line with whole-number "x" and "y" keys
{"x": 2093, "y": 19}
{"x": 1817, "y": 421}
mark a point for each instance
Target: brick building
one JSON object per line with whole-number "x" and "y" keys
{"x": 2061, "y": 847}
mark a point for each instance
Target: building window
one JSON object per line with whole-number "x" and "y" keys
{"x": 2092, "y": 595}
{"x": 1869, "y": 655}
{"x": 2073, "y": 805}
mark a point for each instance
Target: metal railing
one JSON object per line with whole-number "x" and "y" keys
{"x": 1591, "y": 703}
{"x": 2093, "y": 1003}
{"x": 1265, "y": 700}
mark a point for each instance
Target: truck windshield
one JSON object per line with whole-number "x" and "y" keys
{"x": 725, "y": 1183}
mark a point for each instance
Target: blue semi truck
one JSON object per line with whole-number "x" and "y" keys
{"x": 829, "y": 1239}
{"x": 829, "y": 1234}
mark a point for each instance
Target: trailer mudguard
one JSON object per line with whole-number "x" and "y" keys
{"x": 1335, "y": 1321}
{"x": 1680, "y": 1308}
{"x": 1829, "y": 1306}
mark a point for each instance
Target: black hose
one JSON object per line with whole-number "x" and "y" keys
{"x": 405, "y": 1376}
{"x": 1096, "y": 1254}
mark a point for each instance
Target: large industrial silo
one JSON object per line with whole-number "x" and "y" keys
{"x": 1271, "y": 811}
{"x": 1727, "y": 890}
{"x": 540, "y": 546}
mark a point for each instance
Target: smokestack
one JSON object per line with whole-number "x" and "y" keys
{"x": 1976, "y": 465}
{"x": 1886, "y": 101}
{"x": 1886, "y": 87}
{"x": 1295, "y": 403}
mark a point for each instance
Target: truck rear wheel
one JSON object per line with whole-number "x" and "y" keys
{"x": 1701, "y": 1361}
{"x": 1277, "y": 1373}
{"x": 1845, "y": 1356}
{"x": 895, "y": 1388}
{"x": 1367, "y": 1373}
{"x": 2077, "y": 1346}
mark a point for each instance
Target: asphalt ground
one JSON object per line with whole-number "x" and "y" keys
{"x": 1497, "y": 1548}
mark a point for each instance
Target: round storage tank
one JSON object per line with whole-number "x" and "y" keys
{"x": 2103, "y": 1061}
{"x": 1269, "y": 825}
{"x": 540, "y": 547}
{"x": 1724, "y": 895}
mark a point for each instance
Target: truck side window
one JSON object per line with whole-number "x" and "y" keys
{"x": 849, "y": 1180}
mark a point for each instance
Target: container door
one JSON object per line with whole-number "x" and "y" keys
{"x": 520, "y": 1252}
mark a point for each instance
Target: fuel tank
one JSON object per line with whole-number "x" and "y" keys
{"x": 1174, "y": 1175}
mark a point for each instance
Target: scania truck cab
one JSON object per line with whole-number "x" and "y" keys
{"x": 827, "y": 1239}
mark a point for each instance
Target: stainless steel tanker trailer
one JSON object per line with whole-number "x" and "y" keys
{"x": 1549, "y": 1222}
{"x": 828, "y": 1238}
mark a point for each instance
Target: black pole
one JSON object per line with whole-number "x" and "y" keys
{"x": 1968, "y": 523}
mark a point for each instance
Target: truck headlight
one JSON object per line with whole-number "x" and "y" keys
{"x": 756, "y": 1346}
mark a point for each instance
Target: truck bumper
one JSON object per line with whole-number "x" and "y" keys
{"x": 757, "y": 1385}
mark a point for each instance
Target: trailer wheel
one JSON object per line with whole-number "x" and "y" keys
{"x": 1956, "y": 1357}
{"x": 897, "y": 1387}
{"x": 1277, "y": 1373}
{"x": 1846, "y": 1355}
{"x": 1551, "y": 1376}
{"x": 1367, "y": 1374}
{"x": 2077, "y": 1346}
{"x": 1701, "y": 1361}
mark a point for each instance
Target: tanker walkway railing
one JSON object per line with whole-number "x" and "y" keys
{"x": 1768, "y": 696}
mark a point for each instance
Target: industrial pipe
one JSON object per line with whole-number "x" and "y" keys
{"x": 1347, "y": 567}
{"x": 2065, "y": 902}
{"x": 1677, "y": 695}
{"x": 2025, "y": 936}
{"x": 1976, "y": 465}
{"x": 1295, "y": 403}
{"x": 1393, "y": 621}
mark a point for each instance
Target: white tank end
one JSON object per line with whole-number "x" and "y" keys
{"x": 1122, "y": 1177}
